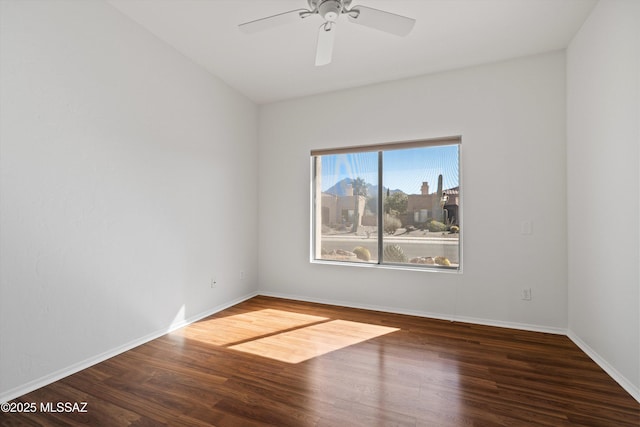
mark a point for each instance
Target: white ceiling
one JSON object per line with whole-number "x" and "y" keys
{"x": 279, "y": 63}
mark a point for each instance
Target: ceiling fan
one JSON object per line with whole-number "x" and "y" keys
{"x": 330, "y": 10}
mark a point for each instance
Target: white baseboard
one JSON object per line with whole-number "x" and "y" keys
{"x": 77, "y": 367}
{"x": 633, "y": 390}
{"x": 430, "y": 315}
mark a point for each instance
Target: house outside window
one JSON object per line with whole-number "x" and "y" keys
{"x": 392, "y": 204}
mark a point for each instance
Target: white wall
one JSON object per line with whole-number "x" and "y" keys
{"x": 511, "y": 116}
{"x": 603, "y": 99}
{"x": 113, "y": 214}
{"x": 128, "y": 180}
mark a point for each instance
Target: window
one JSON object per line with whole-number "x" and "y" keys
{"x": 391, "y": 204}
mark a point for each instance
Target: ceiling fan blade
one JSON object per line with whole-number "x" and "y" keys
{"x": 324, "y": 51}
{"x": 273, "y": 21}
{"x": 381, "y": 20}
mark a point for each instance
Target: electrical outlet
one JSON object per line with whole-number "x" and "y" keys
{"x": 526, "y": 294}
{"x": 214, "y": 282}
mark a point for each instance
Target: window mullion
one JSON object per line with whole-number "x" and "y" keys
{"x": 380, "y": 209}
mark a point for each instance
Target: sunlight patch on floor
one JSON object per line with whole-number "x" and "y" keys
{"x": 238, "y": 328}
{"x": 307, "y": 342}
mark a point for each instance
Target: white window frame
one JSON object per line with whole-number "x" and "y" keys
{"x": 316, "y": 202}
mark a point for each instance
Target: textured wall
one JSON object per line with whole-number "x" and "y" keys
{"x": 511, "y": 116}
{"x": 603, "y": 99}
{"x": 115, "y": 211}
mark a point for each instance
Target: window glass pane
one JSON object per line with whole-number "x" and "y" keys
{"x": 346, "y": 207}
{"x": 421, "y": 206}
{"x": 417, "y": 220}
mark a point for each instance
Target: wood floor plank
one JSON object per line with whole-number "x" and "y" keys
{"x": 276, "y": 362}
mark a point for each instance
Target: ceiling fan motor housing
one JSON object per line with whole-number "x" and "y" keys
{"x": 330, "y": 10}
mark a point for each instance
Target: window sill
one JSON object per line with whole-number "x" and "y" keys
{"x": 430, "y": 269}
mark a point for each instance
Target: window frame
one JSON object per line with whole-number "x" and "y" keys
{"x": 316, "y": 201}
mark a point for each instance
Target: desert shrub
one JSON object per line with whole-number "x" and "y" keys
{"x": 440, "y": 260}
{"x": 454, "y": 229}
{"x": 362, "y": 253}
{"x": 391, "y": 224}
{"x": 345, "y": 253}
{"x": 396, "y": 202}
{"x": 394, "y": 253}
{"x": 422, "y": 260}
{"x": 436, "y": 226}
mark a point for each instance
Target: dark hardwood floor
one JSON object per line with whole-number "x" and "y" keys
{"x": 270, "y": 361}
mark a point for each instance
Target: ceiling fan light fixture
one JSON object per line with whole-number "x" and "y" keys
{"x": 330, "y": 10}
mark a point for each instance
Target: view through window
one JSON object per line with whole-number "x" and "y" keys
{"x": 388, "y": 204}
